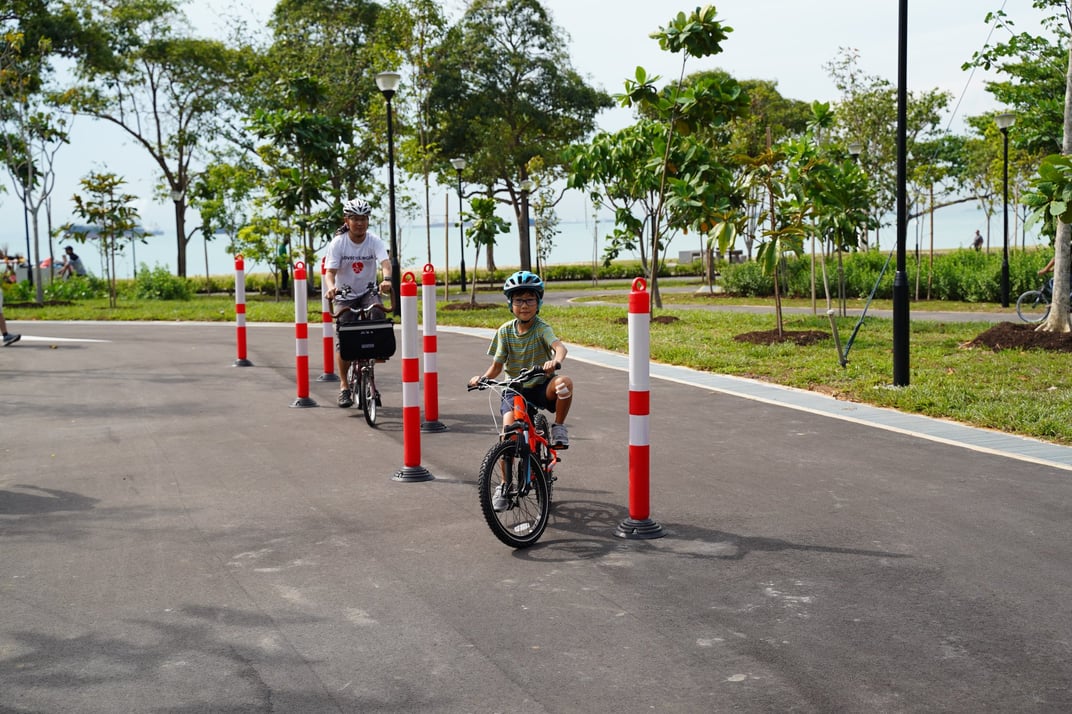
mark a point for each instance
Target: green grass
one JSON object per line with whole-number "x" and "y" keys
{"x": 1019, "y": 392}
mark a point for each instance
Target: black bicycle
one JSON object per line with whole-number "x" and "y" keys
{"x": 518, "y": 470}
{"x": 1034, "y": 305}
{"x": 362, "y": 344}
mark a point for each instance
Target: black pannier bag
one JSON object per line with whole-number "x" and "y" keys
{"x": 368, "y": 339}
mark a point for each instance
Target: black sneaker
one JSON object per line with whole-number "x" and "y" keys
{"x": 346, "y": 399}
{"x": 11, "y": 338}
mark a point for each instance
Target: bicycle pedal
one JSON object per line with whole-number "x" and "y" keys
{"x": 378, "y": 402}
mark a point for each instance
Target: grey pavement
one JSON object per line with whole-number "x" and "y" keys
{"x": 175, "y": 536}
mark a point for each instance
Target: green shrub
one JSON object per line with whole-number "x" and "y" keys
{"x": 76, "y": 288}
{"x": 160, "y": 284}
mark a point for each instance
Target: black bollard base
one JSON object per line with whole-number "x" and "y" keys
{"x": 303, "y": 402}
{"x": 328, "y": 377}
{"x": 242, "y": 363}
{"x": 413, "y": 474}
{"x": 639, "y": 530}
{"x": 433, "y": 426}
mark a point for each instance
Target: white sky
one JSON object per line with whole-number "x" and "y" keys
{"x": 784, "y": 40}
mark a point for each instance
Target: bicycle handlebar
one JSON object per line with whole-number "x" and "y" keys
{"x": 345, "y": 292}
{"x": 485, "y": 383}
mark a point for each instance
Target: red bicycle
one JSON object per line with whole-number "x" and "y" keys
{"x": 518, "y": 470}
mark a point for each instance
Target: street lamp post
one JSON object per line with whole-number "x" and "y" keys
{"x": 1004, "y": 121}
{"x": 459, "y": 164}
{"x": 526, "y": 248}
{"x": 388, "y": 84}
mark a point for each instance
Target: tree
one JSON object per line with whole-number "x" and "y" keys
{"x": 408, "y": 33}
{"x": 685, "y": 186}
{"x": 110, "y": 212}
{"x": 302, "y": 154}
{"x": 32, "y": 136}
{"x": 867, "y": 113}
{"x": 165, "y": 91}
{"x": 504, "y": 93}
{"x": 484, "y": 227}
{"x": 222, "y": 194}
{"x": 1034, "y": 65}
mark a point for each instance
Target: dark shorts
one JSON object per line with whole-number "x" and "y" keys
{"x": 536, "y": 394}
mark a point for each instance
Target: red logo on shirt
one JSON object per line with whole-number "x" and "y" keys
{"x": 358, "y": 267}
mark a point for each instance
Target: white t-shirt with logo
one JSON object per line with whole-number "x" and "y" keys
{"x": 356, "y": 263}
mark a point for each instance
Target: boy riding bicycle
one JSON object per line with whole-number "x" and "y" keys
{"x": 526, "y": 341}
{"x": 351, "y": 261}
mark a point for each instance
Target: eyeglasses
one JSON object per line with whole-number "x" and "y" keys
{"x": 526, "y": 302}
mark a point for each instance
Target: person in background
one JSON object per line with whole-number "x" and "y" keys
{"x": 10, "y": 338}
{"x": 72, "y": 264}
{"x": 354, "y": 256}
{"x": 977, "y": 243}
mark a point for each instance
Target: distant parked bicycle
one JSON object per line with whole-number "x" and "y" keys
{"x": 519, "y": 469}
{"x": 1034, "y": 305}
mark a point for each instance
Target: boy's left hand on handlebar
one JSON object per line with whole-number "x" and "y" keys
{"x": 550, "y": 366}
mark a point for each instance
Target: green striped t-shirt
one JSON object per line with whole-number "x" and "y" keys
{"x": 517, "y": 352}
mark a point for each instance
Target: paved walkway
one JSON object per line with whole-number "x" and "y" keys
{"x": 176, "y": 536}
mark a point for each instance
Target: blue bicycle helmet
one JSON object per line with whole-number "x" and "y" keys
{"x": 524, "y": 280}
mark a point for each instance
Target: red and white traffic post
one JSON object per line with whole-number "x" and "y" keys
{"x": 301, "y": 336}
{"x": 411, "y": 386}
{"x": 240, "y": 310}
{"x": 639, "y": 525}
{"x": 431, "y": 370}
{"x": 328, "y": 375}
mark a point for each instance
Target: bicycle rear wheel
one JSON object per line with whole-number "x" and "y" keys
{"x": 1032, "y": 306}
{"x": 525, "y": 518}
{"x": 368, "y": 394}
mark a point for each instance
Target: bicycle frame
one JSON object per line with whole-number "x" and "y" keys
{"x": 525, "y": 425}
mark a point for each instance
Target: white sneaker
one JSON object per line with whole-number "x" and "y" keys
{"x": 559, "y": 436}
{"x": 498, "y": 500}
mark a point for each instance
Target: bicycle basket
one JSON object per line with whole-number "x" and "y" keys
{"x": 368, "y": 339}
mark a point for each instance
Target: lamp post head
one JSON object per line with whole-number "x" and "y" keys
{"x": 177, "y": 196}
{"x": 855, "y": 149}
{"x": 1005, "y": 120}
{"x": 527, "y": 185}
{"x": 458, "y": 163}
{"x": 388, "y": 83}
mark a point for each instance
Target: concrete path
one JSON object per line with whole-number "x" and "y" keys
{"x": 176, "y": 537}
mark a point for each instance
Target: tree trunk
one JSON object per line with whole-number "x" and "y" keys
{"x": 1058, "y": 319}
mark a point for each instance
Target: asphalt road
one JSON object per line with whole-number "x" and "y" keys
{"x": 175, "y": 536}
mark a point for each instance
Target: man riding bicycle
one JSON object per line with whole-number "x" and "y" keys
{"x": 351, "y": 261}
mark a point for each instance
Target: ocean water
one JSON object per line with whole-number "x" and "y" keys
{"x": 579, "y": 241}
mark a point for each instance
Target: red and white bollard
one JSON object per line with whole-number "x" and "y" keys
{"x": 639, "y": 525}
{"x": 431, "y": 370}
{"x": 328, "y": 375}
{"x": 240, "y": 311}
{"x": 301, "y": 336}
{"x": 411, "y": 386}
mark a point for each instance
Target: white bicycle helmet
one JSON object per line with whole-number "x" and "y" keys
{"x": 356, "y": 207}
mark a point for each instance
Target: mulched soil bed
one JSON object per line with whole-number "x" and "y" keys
{"x": 1014, "y": 336}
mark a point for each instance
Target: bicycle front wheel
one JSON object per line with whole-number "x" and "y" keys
{"x": 353, "y": 379}
{"x": 368, "y": 394}
{"x": 524, "y": 486}
{"x": 1032, "y": 306}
